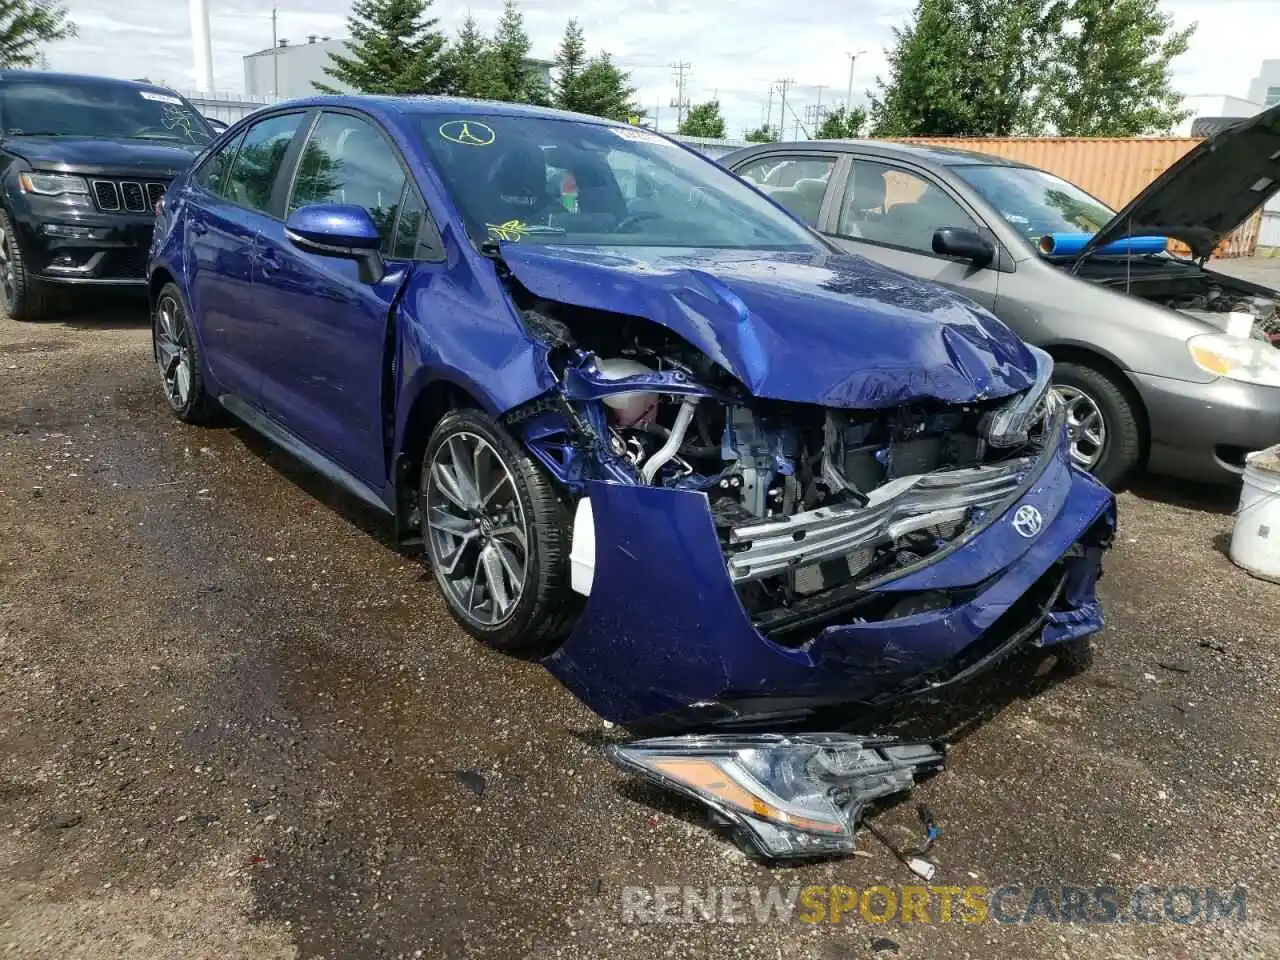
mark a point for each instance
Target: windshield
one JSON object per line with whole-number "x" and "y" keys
{"x": 531, "y": 179}
{"x": 109, "y": 111}
{"x": 1035, "y": 202}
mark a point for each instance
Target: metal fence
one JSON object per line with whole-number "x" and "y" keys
{"x": 227, "y": 107}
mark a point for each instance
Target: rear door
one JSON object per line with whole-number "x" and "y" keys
{"x": 888, "y": 212}
{"x": 328, "y": 330}
{"x": 230, "y": 195}
{"x": 800, "y": 182}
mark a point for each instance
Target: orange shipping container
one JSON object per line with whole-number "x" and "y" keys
{"x": 1113, "y": 170}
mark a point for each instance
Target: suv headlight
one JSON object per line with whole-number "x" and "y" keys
{"x": 1012, "y": 424}
{"x": 53, "y": 184}
{"x": 1249, "y": 361}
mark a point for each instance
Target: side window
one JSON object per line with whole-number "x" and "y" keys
{"x": 798, "y": 183}
{"x": 346, "y": 160}
{"x": 212, "y": 174}
{"x": 253, "y": 175}
{"x": 411, "y": 241}
{"x": 889, "y": 205}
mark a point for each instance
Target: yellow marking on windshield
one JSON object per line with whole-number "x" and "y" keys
{"x": 469, "y": 133}
{"x": 512, "y": 230}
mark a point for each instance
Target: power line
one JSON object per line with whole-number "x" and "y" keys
{"x": 681, "y": 101}
{"x": 783, "y": 86}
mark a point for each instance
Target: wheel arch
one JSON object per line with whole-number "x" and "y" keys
{"x": 1109, "y": 367}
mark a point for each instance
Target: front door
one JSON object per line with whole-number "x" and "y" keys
{"x": 888, "y": 213}
{"x": 327, "y": 330}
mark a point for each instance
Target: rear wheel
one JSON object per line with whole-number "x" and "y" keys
{"x": 177, "y": 355}
{"x": 24, "y": 296}
{"x": 1103, "y": 430}
{"x": 496, "y": 535}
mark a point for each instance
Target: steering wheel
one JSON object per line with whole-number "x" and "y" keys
{"x": 632, "y": 219}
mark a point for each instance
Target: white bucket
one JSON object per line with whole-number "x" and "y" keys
{"x": 1255, "y": 541}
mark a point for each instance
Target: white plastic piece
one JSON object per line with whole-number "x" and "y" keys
{"x": 1240, "y": 324}
{"x": 1255, "y": 541}
{"x": 922, "y": 868}
{"x": 582, "y": 551}
{"x": 628, "y": 409}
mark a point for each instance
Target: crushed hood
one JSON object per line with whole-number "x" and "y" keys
{"x": 823, "y": 328}
{"x": 1209, "y": 192}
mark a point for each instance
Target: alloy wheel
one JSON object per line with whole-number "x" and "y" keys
{"x": 476, "y": 530}
{"x": 1086, "y": 428}
{"x": 6, "y": 268}
{"x": 173, "y": 356}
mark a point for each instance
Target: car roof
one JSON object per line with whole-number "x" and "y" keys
{"x": 425, "y": 104}
{"x": 923, "y": 152}
{"x": 42, "y": 76}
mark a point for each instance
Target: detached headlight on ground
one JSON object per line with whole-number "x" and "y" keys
{"x": 790, "y": 796}
{"x": 1251, "y": 361}
{"x": 53, "y": 184}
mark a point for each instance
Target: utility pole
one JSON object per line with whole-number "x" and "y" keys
{"x": 853, "y": 57}
{"x": 768, "y": 120}
{"x": 201, "y": 49}
{"x": 275, "y": 58}
{"x": 681, "y": 102}
{"x": 783, "y": 87}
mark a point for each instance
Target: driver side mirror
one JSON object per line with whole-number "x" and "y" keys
{"x": 339, "y": 230}
{"x": 964, "y": 244}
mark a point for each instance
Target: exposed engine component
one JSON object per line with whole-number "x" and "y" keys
{"x": 1217, "y": 305}
{"x": 628, "y": 409}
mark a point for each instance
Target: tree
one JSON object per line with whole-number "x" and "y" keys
{"x": 1006, "y": 67}
{"x": 703, "y": 120}
{"x": 515, "y": 78}
{"x": 470, "y": 68}
{"x": 25, "y": 25}
{"x": 394, "y": 48}
{"x": 964, "y": 68}
{"x": 842, "y": 123}
{"x": 1109, "y": 71}
{"x": 606, "y": 91}
{"x": 571, "y": 61}
{"x": 761, "y": 134}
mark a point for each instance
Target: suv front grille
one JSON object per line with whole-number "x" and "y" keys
{"x": 127, "y": 196}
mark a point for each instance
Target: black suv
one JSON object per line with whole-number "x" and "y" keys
{"x": 83, "y": 163}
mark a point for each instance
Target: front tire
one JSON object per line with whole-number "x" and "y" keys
{"x": 496, "y": 535}
{"x": 1103, "y": 426}
{"x": 177, "y": 355}
{"x": 25, "y": 297}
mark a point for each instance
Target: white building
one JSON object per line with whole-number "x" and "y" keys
{"x": 1265, "y": 88}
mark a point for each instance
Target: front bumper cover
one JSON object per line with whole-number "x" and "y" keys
{"x": 664, "y": 642}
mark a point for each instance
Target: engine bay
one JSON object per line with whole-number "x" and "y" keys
{"x": 805, "y": 500}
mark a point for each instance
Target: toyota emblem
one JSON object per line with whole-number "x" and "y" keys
{"x": 1028, "y": 521}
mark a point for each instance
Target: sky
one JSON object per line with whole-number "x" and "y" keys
{"x": 737, "y": 50}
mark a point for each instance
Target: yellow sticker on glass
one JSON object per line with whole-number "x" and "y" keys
{"x": 512, "y": 230}
{"x": 469, "y": 133}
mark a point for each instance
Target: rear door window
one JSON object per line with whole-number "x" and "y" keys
{"x": 257, "y": 165}
{"x": 798, "y": 183}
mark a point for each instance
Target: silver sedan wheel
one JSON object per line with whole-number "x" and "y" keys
{"x": 1086, "y": 429}
{"x": 172, "y": 354}
{"x": 476, "y": 531}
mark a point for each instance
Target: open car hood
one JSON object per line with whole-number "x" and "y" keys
{"x": 824, "y": 328}
{"x": 1209, "y": 192}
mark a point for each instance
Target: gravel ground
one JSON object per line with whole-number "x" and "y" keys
{"x": 236, "y": 722}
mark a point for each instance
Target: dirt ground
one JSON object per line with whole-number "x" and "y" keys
{"x": 236, "y": 722}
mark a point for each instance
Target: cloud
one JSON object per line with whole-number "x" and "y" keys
{"x": 737, "y": 50}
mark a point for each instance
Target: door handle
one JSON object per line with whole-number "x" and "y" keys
{"x": 268, "y": 260}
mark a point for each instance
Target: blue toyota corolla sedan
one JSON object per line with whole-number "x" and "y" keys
{"x": 647, "y": 425}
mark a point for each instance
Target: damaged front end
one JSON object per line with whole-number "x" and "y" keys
{"x": 753, "y": 560}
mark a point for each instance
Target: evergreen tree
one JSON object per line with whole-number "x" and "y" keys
{"x": 515, "y": 78}
{"x": 26, "y": 25}
{"x": 842, "y": 123}
{"x": 470, "y": 65}
{"x": 703, "y": 120}
{"x": 761, "y": 134}
{"x": 395, "y": 48}
{"x": 606, "y": 91}
{"x": 571, "y": 61}
{"x": 1109, "y": 73}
